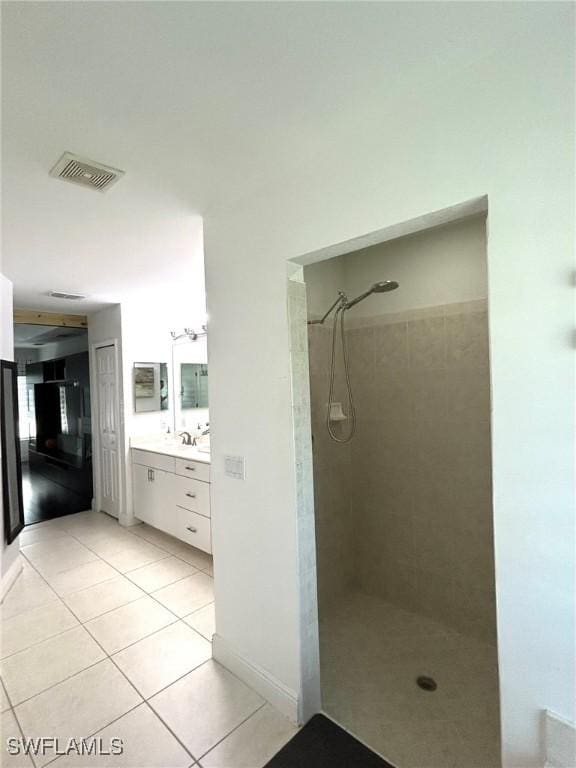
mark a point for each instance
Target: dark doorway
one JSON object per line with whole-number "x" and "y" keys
{"x": 55, "y": 420}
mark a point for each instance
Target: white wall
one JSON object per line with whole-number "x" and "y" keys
{"x": 441, "y": 265}
{"x": 496, "y": 120}
{"x": 9, "y": 552}
{"x": 438, "y": 266}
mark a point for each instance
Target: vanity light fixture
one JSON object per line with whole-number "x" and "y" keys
{"x": 189, "y": 332}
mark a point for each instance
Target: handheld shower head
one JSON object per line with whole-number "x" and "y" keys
{"x": 383, "y": 287}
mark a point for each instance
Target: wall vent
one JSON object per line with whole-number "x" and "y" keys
{"x": 68, "y": 296}
{"x": 86, "y": 173}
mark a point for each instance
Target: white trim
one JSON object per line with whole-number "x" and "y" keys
{"x": 419, "y": 224}
{"x": 282, "y": 698}
{"x": 96, "y": 501}
{"x": 560, "y": 736}
{"x": 10, "y": 577}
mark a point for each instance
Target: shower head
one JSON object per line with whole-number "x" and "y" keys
{"x": 382, "y": 287}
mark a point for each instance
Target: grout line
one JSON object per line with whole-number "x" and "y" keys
{"x": 110, "y": 656}
{"x": 64, "y": 679}
{"x": 95, "y": 733}
{"x": 168, "y": 728}
{"x": 202, "y": 756}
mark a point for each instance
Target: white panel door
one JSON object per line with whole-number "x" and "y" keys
{"x": 108, "y": 428}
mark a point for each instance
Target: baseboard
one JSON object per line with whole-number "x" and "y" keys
{"x": 282, "y": 698}
{"x": 10, "y": 577}
{"x": 560, "y": 735}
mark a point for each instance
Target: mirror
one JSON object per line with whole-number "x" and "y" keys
{"x": 150, "y": 382}
{"x": 193, "y": 385}
{"x": 190, "y": 382}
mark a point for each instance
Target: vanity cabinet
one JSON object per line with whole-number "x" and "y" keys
{"x": 173, "y": 495}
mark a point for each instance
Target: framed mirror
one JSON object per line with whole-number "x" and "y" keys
{"x": 12, "y": 499}
{"x": 150, "y": 384}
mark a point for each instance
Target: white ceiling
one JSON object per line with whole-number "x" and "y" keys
{"x": 199, "y": 103}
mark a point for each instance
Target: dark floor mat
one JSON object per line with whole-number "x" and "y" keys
{"x": 323, "y": 744}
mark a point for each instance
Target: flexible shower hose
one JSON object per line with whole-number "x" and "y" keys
{"x": 340, "y": 312}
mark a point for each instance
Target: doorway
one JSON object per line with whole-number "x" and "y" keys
{"x": 402, "y": 498}
{"x": 54, "y": 414}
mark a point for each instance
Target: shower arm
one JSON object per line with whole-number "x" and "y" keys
{"x": 342, "y": 299}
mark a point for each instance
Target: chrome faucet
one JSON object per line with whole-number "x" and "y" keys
{"x": 186, "y": 438}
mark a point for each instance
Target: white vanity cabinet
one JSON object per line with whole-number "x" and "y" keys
{"x": 173, "y": 495}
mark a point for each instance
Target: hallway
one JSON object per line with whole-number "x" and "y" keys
{"x": 107, "y": 633}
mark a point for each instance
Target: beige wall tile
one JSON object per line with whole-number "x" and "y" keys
{"x": 427, "y": 343}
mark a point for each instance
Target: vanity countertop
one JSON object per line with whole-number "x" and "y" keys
{"x": 169, "y": 448}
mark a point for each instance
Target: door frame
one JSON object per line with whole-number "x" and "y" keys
{"x": 96, "y": 501}
{"x": 310, "y": 695}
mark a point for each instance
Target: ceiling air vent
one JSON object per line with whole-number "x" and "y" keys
{"x": 69, "y": 296}
{"x": 87, "y": 173}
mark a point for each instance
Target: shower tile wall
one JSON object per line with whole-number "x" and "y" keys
{"x": 335, "y": 551}
{"x": 413, "y": 493}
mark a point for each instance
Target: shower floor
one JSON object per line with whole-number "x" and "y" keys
{"x": 371, "y": 654}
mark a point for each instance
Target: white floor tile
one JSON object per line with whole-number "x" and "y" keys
{"x": 34, "y": 535}
{"x": 43, "y": 665}
{"x": 31, "y": 627}
{"x": 254, "y": 743}
{"x": 205, "y": 706}
{"x": 203, "y": 621}
{"x": 156, "y": 537}
{"x": 123, "y": 626}
{"x": 133, "y": 555}
{"x": 195, "y": 557}
{"x": 11, "y": 731}
{"x": 161, "y": 573}
{"x": 81, "y": 577}
{"x": 29, "y": 591}
{"x": 160, "y": 659}
{"x": 187, "y": 595}
{"x": 146, "y": 743}
{"x": 80, "y": 706}
{"x": 4, "y": 703}
{"x": 101, "y": 598}
{"x": 57, "y": 555}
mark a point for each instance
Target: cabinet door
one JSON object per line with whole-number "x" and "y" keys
{"x": 143, "y": 493}
{"x": 153, "y": 495}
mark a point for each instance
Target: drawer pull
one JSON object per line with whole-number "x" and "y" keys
{"x": 190, "y": 495}
{"x": 191, "y": 529}
{"x": 192, "y": 469}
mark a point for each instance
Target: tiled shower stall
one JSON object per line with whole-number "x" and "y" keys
{"x": 404, "y": 534}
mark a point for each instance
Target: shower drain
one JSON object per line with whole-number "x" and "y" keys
{"x": 426, "y": 683}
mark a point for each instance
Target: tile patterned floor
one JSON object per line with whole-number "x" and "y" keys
{"x": 107, "y": 634}
{"x": 371, "y": 654}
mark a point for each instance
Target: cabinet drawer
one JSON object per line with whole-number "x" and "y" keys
{"x": 193, "y": 528}
{"x": 194, "y": 469}
{"x": 155, "y": 460}
{"x": 193, "y": 495}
